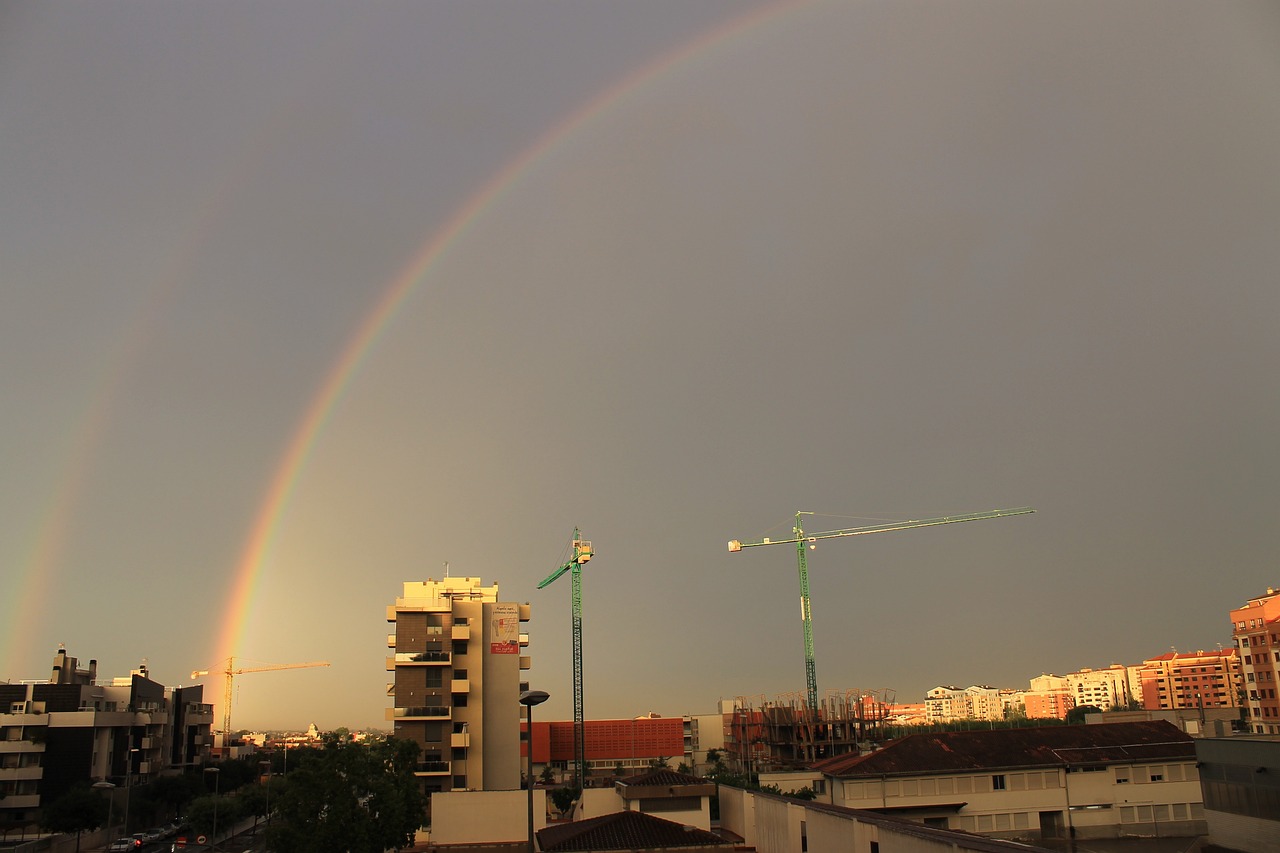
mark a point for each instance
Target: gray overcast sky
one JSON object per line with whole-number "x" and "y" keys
{"x": 711, "y": 263}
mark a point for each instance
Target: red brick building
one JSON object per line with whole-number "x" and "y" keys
{"x": 630, "y": 743}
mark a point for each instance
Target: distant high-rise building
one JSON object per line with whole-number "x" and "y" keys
{"x": 457, "y": 681}
{"x": 1256, "y": 631}
{"x": 1191, "y": 680}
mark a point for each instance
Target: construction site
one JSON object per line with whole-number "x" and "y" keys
{"x": 787, "y": 733}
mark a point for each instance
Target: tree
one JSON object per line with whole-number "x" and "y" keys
{"x": 548, "y": 775}
{"x": 564, "y": 798}
{"x": 79, "y": 809}
{"x": 1075, "y": 716}
{"x": 349, "y": 796}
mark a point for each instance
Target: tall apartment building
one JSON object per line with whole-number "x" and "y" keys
{"x": 71, "y": 730}
{"x": 1255, "y": 628}
{"x": 1050, "y": 697}
{"x": 457, "y": 681}
{"x": 943, "y": 704}
{"x": 1179, "y": 680}
{"x": 1104, "y": 689}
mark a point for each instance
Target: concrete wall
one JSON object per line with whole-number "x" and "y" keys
{"x": 474, "y": 817}
{"x": 775, "y": 824}
{"x": 788, "y": 782}
{"x": 595, "y": 802}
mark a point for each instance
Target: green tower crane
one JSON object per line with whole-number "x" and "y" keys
{"x": 801, "y": 539}
{"x": 582, "y": 553}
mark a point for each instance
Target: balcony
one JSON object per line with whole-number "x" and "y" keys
{"x": 460, "y": 740}
{"x": 461, "y": 632}
{"x": 526, "y": 662}
{"x": 524, "y": 640}
{"x": 20, "y": 746}
{"x": 429, "y": 712}
{"x": 22, "y": 801}
{"x": 524, "y": 612}
{"x": 460, "y": 685}
{"x": 431, "y": 768}
{"x": 16, "y": 774}
{"x": 391, "y": 641}
{"x": 423, "y": 658}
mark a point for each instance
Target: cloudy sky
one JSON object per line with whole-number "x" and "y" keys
{"x": 301, "y": 301}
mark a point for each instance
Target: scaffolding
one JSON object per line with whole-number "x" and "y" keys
{"x": 786, "y": 734}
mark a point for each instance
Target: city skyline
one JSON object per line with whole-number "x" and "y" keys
{"x": 301, "y": 304}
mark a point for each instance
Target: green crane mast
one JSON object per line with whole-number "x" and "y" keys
{"x": 801, "y": 539}
{"x": 582, "y": 553}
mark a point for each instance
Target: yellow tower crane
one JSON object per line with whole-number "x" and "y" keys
{"x": 231, "y": 672}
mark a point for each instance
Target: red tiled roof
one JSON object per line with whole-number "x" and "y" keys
{"x": 625, "y": 831}
{"x": 1048, "y": 746}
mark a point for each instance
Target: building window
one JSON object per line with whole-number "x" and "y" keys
{"x": 459, "y": 782}
{"x": 460, "y": 674}
{"x": 997, "y": 782}
{"x": 459, "y": 647}
{"x": 459, "y": 700}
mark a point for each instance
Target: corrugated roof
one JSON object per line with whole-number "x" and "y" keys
{"x": 625, "y": 831}
{"x": 1049, "y": 746}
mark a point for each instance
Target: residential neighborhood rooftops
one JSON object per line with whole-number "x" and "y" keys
{"x": 626, "y": 831}
{"x": 1046, "y": 746}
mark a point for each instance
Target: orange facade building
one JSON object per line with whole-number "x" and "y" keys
{"x": 1191, "y": 680}
{"x": 1255, "y": 628}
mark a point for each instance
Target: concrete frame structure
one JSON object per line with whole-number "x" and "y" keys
{"x": 70, "y": 730}
{"x": 457, "y": 668}
{"x": 1255, "y": 629}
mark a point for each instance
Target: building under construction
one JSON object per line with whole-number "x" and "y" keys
{"x": 788, "y": 734}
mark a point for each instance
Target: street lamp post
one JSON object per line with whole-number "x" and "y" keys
{"x": 111, "y": 803}
{"x": 528, "y": 699}
{"x": 216, "y": 774}
{"x": 128, "y": 778}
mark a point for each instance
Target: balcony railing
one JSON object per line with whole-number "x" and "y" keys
{"x": 438, "y": 658}
{"x": 425, "y": 712}
{"x": 431, "y": 768}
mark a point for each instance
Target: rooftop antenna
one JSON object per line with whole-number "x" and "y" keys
{"x": 446, "y": 568}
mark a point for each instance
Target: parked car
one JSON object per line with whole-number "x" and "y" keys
{"x": 122, "y": 845}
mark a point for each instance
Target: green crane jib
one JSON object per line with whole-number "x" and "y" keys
{"x": 582, "y": 553}
{"x": 801, "y": 539}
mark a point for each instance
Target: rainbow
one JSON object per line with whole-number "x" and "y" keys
{"x": 276, "y": 500}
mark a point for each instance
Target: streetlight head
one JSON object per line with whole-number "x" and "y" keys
{"x": 212, "y": 770}
{"x": 104, "y": 784}
{"x": 529, "y": 698}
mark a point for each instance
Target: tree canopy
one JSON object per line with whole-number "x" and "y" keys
{"x": 349, "y": 796}
{"x": 78, "y": 810}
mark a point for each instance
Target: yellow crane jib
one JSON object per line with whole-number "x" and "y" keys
{"x": 231, "y": 671}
